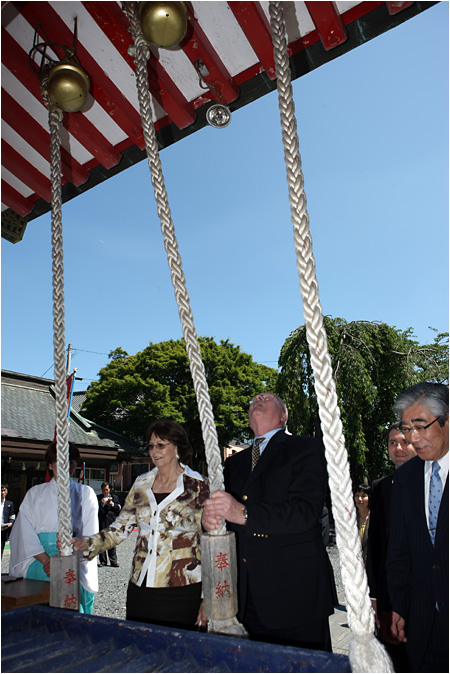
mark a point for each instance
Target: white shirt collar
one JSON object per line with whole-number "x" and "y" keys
{"x": 267, "y": 436}
{"x": 443, "y": 466}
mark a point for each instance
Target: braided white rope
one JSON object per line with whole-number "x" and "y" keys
{"x": 366, "y": 653}
{"x": 62, "y": 425}
{"x": 141, "y": 53}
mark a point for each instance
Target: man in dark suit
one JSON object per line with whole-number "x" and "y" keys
{"x": 417, "y": 562}
{"x": 108, "y": 509}
{"x": 8, "y": 515}
{"x": 274, "y": 500}
{"x": 400, "y": 451}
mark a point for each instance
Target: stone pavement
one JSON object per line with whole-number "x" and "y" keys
{"x": 340, "y": 631}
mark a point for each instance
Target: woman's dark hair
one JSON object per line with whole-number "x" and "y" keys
{"x": 50, "y": 455}
{"x": 364, "y": 488}
{"x": 174, "y": 433}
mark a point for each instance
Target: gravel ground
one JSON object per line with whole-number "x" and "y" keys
{"x": 333, "y": 554}
{"x": 113, "y": 582}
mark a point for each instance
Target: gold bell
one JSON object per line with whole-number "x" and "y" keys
{"x": 163, "y": 23}
{"x": 68, "y": 86}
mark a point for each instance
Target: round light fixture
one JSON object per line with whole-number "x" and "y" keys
{"x": 68, "y": 86}
{"x": 163, "y": 23}
{"x": 218, "y": 116}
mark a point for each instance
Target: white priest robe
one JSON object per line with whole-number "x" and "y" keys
{"x": 38, "y": 514}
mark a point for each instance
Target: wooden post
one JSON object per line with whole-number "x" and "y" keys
{"x": 219, "y": 576}
{"x": 65, "y": 581}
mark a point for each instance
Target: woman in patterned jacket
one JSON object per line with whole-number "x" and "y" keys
{"x": 166, "y": 506}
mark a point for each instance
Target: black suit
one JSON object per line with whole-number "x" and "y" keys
{"x": 284, "y": 570}
{"x": 8, "y": 518}
{"x": 380, "y": 516}
{"x": 417, "y": 572}
{"x": 377, "y": 547}
{"x": 107, "y": 513}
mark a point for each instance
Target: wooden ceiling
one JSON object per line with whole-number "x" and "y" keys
{"x": 229, "y": 41}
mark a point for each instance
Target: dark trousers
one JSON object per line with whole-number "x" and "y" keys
{"x": 112, "y": 554}
{"x": 436, "y": 655}
{"x": 399, "y": 656}
{"x": 314, "y": 634}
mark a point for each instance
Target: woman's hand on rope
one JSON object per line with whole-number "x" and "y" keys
{"x": 398, "y": 628}
{"x": 78, "y": 544}
{"x": 221, "y": 505}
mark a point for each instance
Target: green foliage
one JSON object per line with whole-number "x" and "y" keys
{"x": 156, "y": 383}
{"x": 372, "y": 363}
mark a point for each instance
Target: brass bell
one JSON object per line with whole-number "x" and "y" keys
{"x": 163, "y": 23}
{"x": 68, "y": 86}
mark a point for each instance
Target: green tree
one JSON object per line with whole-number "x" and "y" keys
{"x": 156, "y": 383}
{"x": 372, "y": 363}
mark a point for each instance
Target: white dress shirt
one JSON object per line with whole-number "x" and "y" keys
{"x": 443, "y": 474}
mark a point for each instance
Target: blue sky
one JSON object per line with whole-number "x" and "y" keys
{"x": 373, "y": 128}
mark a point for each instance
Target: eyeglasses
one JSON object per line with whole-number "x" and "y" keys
{"x": 419, "y": 429}
{"x": 261, "y": 396}
{"x": 158, "y": 445}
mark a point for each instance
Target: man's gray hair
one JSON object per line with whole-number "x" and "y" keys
{"x": 433, "y": 396}
{"x": 282, "y": 403}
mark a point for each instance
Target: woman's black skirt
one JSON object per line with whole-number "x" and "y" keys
{"x": 167, "y": 606}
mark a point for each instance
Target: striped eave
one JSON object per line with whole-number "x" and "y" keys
{"x": 233, "y": 41}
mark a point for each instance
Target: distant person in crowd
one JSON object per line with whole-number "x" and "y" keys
{"x": 274, "y": 501}
{"x": 166, "y": 505}
{"x": 417, "y": 560}
{"x": 400, "y": 451}
{"x": 108, "y": 509}
{"x": 361, "y": 497}
{"x": 34, "y": 535}
{"x": 8, "y": 515}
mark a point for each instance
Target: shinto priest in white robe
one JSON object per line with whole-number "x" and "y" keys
{"x": 38, "y": 517}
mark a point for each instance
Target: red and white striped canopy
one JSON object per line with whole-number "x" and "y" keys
{"x": 232, "y": 41}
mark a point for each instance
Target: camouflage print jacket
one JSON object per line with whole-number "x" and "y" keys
{"x": 168, "y": 541}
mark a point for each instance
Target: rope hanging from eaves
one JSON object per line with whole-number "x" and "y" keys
{"x": 366, "y": 653}
{"x": 222, "y": 618}
{"x": 55, "y": 116}
{"x": 141, "y": 54}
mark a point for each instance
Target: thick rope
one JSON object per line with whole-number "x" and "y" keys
{"x": 365, "y": 652}
{"x": 141, "y": 53}
{"x": 55, "y": 116}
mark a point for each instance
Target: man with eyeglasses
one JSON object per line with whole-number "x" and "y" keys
{"x": 400, "y": 451}
{"x": 417, "y": 562}
{"x": 275, "y": 491}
